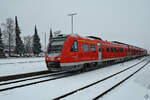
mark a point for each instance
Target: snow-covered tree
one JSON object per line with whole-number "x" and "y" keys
{"x": 19, "y": 48}
{"x": 36, "y": 43}
{"x": 2, "y": 54}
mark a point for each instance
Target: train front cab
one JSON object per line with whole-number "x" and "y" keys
{"x": 53, "y": 54}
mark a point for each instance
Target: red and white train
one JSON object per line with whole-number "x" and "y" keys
{"x": 74, "y": 52}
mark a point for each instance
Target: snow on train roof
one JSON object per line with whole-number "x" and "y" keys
{"x": 86, "y": 37}
{"x": 76, "y": 35}
{"x": 117, "y": 42}
{"x": 93, "y": 37}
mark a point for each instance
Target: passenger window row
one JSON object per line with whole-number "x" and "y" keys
{"x": 111, "y": 49}
{"x": 85, "y": 47}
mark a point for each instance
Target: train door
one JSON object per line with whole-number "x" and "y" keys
{"x": 99, "y": 51}
{"x": 128, "y": 51}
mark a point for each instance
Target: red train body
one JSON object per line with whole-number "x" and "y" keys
{"x": 73, "y": 52}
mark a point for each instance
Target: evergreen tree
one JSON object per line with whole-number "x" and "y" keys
{"x": 36, "y": 43}
{"x": 51, "y": 35}
{"x": 2, "y": 54}
{"x": 19, "y": 49}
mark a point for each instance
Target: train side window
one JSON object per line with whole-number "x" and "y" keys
{"x": 120, "y": 49}
{"x": 85, "y": 47}
{"x": 74, "y": 47}
{"x": 111, "y": 49}
{"x": 107, "y": 49}
{"x": 117, "y": 49}
{"x": 114, "y": 49}
{"x": 93, "y": 48}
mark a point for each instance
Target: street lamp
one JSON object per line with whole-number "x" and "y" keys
{"x": 72, "y": 14}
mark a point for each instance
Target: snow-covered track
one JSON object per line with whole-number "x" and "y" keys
{"x": 54, "y": 76}
{"x": 105, "y": 92}
{"x": 31, "y": 78}
{"x": 102, "y": 80}
{"x": 25, "y": 75}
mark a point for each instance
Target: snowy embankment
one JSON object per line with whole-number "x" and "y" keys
{"x": 14, "y": 66}
{"x": 52, "y": 89}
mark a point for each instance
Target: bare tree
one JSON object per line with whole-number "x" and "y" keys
{"x": 9, "y": 34}
{"x": 28, "y": 44}
{"x": 2, "y": 54}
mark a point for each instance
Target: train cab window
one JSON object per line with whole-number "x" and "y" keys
{"x": 111, "y": 49}
{"x": 85, "y": 47}
{"x": 55, "y": 46}
{"x": 93, "y": 48}
{"x": 74, "y": 47}
{"x": 107, "y": 49}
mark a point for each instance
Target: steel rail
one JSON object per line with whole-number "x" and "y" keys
{"x": 119, "y": 83}
{"x": 66, "y": 74}
{"x": 32, "y": 78}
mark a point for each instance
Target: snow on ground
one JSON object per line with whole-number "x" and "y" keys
{"x": 14, "y": 66}
{"x": 94, "y": 91}
{"x": 136, "y": 88}
{"x": 18, "y": 60}
{"x": 51, "y": 89}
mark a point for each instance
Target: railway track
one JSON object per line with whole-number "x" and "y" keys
{"x": 119, "y": 83}
{"x": 25, "y": 75}
{"x": 31, "y": 78}
{"x": 50, "y": 77}
{"x": 102, "y": 80}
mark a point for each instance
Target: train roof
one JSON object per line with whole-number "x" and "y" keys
{"x": 93, "y": 37}
{"x": 123, "y": 43}
{"x": 76, "y": 35}
{"x": 120, "y": 43}
{"x": 59, "y": 37}
{"x": 64, "y": 36}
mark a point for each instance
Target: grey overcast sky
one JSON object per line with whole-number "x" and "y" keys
{"x": 126, "y": 21}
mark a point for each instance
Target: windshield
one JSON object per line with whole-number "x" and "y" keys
{"x": 55, "y": 46}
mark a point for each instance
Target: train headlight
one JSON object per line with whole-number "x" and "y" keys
{"x": 47, "y": 58}
{"x": 57, "y": 58}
